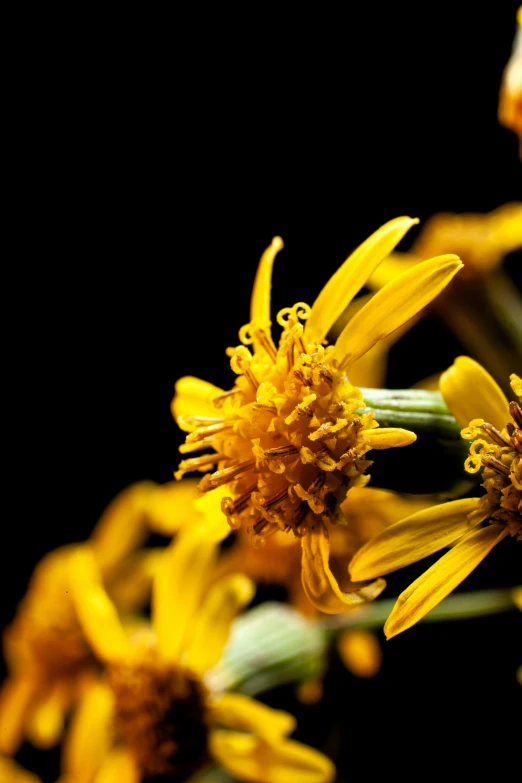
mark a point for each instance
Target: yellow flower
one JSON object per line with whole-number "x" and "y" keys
{"x": 510, "y": 98}
{"x": 496, "y": 448}
{"x": 482, "y": 241}
{"x": 168, "y": 722}
{"x": 48, "y": 659}
{"x": 287, "y": 440}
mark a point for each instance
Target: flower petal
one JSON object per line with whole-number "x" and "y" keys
{"x": 15, "y": 698}
{"x": 413, "y": 538}
{"x": 360, "y": 652}
{"x": 121, "y": 528}
{"x": 119, "y": 767}
{"x": 90, "y": 734}
{"x": 46, "y": 721}
{"x": 470, "y": 392}
{"x": 444, "y": 576}
{"x": 181, "y": 581}
{"x": 236, "y": 711}
{"x": 388, "y": 437}
{"x": 393, "y": 305}
{"x": 171, "y": 505}
{"x": 211, "y": 626}
{"x": 256, "y": 761}
{"x": 319, "y": 583}
{"x": 260, "y": 301}
{"x": 11, "y": 772}
{"x": 96, "y": 612}
{"x": 193, "y": 397}
{"x": 352, "y": 275}
{"x": 393, "y": 265}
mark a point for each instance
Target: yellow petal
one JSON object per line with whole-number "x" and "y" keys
{"x": 170, "y": 505}
{"x": 181, "y": 582}
{"x": 236, "y": 711}
{"x": 371, "y": 507}
{"x": 131, "y": 583}
{"x": 444, "y": 576}
{"x": 15, "y": 698}
{"x": 96, "y": 612}
{"x": 121, "y": 527}
{"x": 352, "y": 275}
{"x": 11, "y": 772}
{"x": 413, "y": 538}
{"x": 470, "y": 392}
{"x": 256, "y": 761}
{"x": 388, "y": 437}
{"x": 392, "y": 266}
{"x": 211, "y": 626}
{"x": 90, "y": 734}
{"x": 360, "y": 652}
{"x": 193, "y": 397}
{"x": 119, "y": 767}
{"x": 260, "y": 301}
{"x": 319, "y": 583}
{"x": 45, "y": 724}
{"x": 394, "y": 305}
{"x": 517, "y": 597}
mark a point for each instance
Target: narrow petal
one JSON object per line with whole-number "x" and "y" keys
{"x": 236, "y": 711}
{"x": 181, "y": 582}
{"x": 360, "y": 652}
{"x": 96, "y": 612}
{"x": 517, "y": 597}
{"x": 171, "y": 505}
{"x": 394, "y": 305}
{"x": 122, "y": 527}
{"x": 444, "y": 576}
{"x": 130, "y": 585}
{"x": 352, "y": 275}
{"x": 119, "y": 767}
{"x": 90, "y": 735}
{"x": 470, "y": 392}
{"x": 392, "y": 266}
{"x": 388, "y": 437}
{"x": 15, "y": 698}
{"x": 260, "y": 301}
{"x": 211, "y": 626}
{"x": 413, "y": 538}
{"x": 255, "y": 761}
{"x": 45, "y": 725}
{"x": 11, "y": 772}
{"x": 193, "y": 397}
{"x": 319, "y": 583}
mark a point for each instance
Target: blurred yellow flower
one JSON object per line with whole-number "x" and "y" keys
{"x": 287, "y": 439}
{"x": 154, "y": 714}
{"x": 497, "y": 449}
{"x": 48, "y": 659}
{"x": 510, "y": 98}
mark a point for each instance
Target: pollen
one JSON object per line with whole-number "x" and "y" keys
{"x": 499, "y": 454}
{"x": 160, "y": 715}
{"x": 288, "y": 440}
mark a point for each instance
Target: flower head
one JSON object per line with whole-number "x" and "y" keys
{"x": 496, "y": 449}
{"x": 289, "y": 439}
{"x": 155, "y": 698}
{"x": 48, "y": 657}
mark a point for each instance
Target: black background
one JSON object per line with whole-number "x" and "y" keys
{"x": 154, "y": 159}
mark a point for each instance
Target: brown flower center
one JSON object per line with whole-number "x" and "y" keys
{"x": 160, "y": 715}
{"x": 287, "y": 438}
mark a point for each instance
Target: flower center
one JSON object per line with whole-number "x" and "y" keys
{"x": 45, "y": 631}
{"x": 499, "y": 452}
{"x": 160, "y": 715}
{"x": 287, "y": 438}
